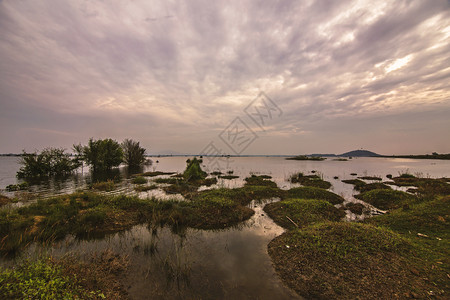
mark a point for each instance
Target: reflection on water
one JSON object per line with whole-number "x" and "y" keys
{"x": 216, "y": 264}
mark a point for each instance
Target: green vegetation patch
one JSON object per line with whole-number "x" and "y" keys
{"x": 356, "y": 208}
{"x": 106, "y": 186}
{"x": 295, "y": 213}
{"x": 156, "y": 173}
{"x": 228, "y": 177}
{"x": 88, "y": 215}
{"x": 356, "y": 182}
{"x": 370, "y": 178}
{"x": 66, "y": 278}
{"x": 4, "y": 200}
{"x": 17, "y": 187}
{"x": 372, "y": 186}
{"x": 310, "y": 180}
{"x": 144, "y": 188}
{"x": 314, "y": 193}
{"x": 242, "y": 195}
{"x": 139, "y": 180}
{"x": 349, "y": 261}
{"x": 262, "y": 180}
{"x": 428, "y": 186}
{"x": 386, "y": 199}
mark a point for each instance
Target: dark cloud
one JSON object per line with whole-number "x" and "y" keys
{"x": 174, "y": 74}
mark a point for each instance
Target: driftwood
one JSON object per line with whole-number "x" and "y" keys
{"x": 292, "y": 222}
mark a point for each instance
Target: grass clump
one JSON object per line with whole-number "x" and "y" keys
{"x": 17, "y": 187}
{"x": 139, "y": 180}
{"x": 4, "y": 200}
{"x": 228, "y": 177}
{"x": 65, "y": 278}
{"x": 295, "y": 213}
{"x": 106, "y": 186}
{"x": 370, "y": 178}
{"x": 372, "y": 186}
{"x": 310, "y": 180}
{"x": 263, "y": 180}
{"x": 145, "y": 188}
{"x": 314, "y": 193}
{"x": 156, "y": 173}
{"x": 356, "y": 182}
{"x": 386, "y": 199}
{"x": 356, "y": 208}
{"x": 425, "y": 186}
{"x": 349, "y": 261}
{"x": 193, "y": 170}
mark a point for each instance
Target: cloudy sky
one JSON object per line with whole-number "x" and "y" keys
{"x": 173, "y": 75}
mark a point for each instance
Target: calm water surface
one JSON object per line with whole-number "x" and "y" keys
{"x": 223, "y": 264}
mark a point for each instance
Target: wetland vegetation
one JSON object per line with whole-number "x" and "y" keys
{"x": 320, "y": 255}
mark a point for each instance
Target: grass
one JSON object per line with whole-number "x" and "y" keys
{"x": 88, "y": 215}
{"x": 139, "y": 180}
{"x": 65, "y": 278}
{"x": 144, "y": 188}
{"x": 155, "y": 173}
{"x": 350, "y": 261}
{"x": 263, "y": 180}
{"x": 17, "y": 187}
{"x": 295, "y": 213}
{"x": 386, "y": 199}
{"x": 370, "y": 178}
{"x": 314, "y": 193}
{"x": 228, "y": 177}
{"x": 356, "y": 208}
{"x": 430, "y": 186}
{"x": 4, "y": 200}
{"x": 310, "y": 180}
{"x": 106, "y": 186}
{"x": 361, "y": 186}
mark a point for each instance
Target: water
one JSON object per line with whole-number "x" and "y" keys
{"x": 223, "y": 264}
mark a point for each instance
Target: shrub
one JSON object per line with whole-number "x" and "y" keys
{"x": 50, "y": 162}
{"x": 133, "y": 153}
{"x": 193, "y": 170}
{"x": 100, "y": 154}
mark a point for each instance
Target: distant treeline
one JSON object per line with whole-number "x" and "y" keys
{"x": 422, "y": 156}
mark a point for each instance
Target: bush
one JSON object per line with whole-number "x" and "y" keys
{"x": 100, "y": 154}
{"x": 50, "y": 162}
{"x": 133, "y": 153}
{"x": 193, "y": 170}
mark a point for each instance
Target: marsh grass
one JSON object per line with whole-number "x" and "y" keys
{"x": 301, "y": 212}
{"x": 106, "y": 186}
{"x": 310, "y": 180}
{"x": 139, "y": 180}
{"x": 314, "y": 193}
{"x": 65, "y": 278}
{"x": 387, "y": 199}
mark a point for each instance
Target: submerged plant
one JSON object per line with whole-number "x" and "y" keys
{"x": 50, "y": 162}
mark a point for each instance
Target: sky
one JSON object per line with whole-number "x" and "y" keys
{"x": 231, "y": 77}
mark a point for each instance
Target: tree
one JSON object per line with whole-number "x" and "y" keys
{"x": 100, "y": 154}
{"x": 50, "y": 162}
{"x": 133, "y": 153}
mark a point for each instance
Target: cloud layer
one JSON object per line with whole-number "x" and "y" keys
{"x": 174, "y": 74}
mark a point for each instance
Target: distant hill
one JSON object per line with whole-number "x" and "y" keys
{"x": 360, "y": 153}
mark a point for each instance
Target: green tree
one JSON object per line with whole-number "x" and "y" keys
{"x": 100, "y": 154}
{"x": 50, "y": 162}
{"x": 133, "y": 153}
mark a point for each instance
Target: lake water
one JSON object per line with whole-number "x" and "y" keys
{"x": 216, "y": 264}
